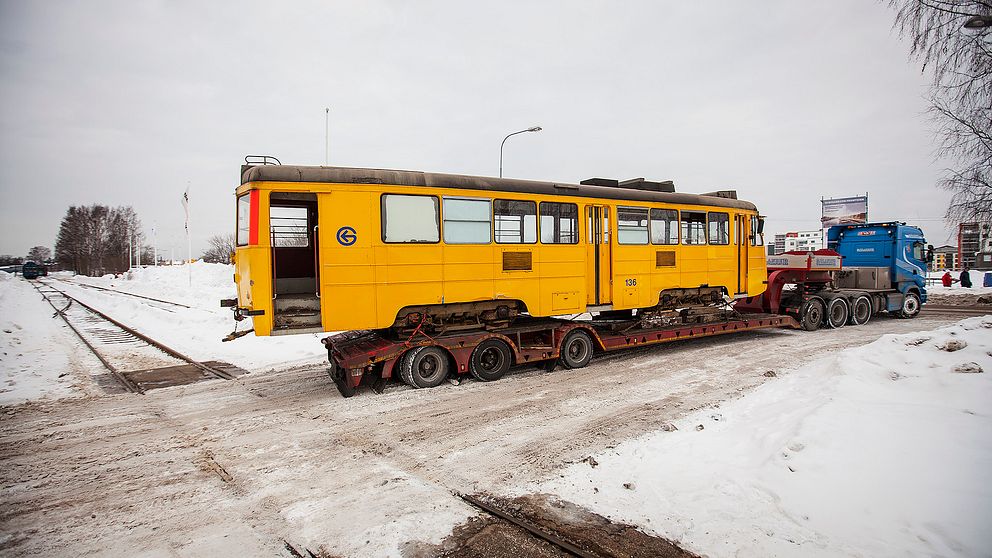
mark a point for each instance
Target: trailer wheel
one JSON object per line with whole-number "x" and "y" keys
{"x": 910, "y": 306}
{"x": 811, "y": 315}
{"x": 837, "y": 312}
{"x": 340, "y": 377}
{"x": 860, "y": 311}
{"x": 490, "y": 360}
{"x": 576, "y": 349}
{"x": 424, "y": 367}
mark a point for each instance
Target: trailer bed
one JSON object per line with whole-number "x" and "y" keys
{"x": 374, "y": 354}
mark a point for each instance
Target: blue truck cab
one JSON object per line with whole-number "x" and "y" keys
{"x": 895, "y": 250}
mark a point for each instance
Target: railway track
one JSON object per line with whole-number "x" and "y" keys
{"x": 536, "y": 526}
{"x": 133, "y": 295}
{"x": 954, "y": 310}
{"x": 135, "y": 361}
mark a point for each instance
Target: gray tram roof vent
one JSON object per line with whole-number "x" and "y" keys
{"x": 729, "y": 194}
{"x": 601, "y": 182}
{"x": 633, "y": 184}
{"x": 649, "y": 185}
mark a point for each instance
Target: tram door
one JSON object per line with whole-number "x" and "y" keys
{"x": 599, "y": 273}
{"x": 742, "y": 247}
{"x": 295, "y": 273}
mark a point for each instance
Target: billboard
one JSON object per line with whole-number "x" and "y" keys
{"x": 844, "y": 211}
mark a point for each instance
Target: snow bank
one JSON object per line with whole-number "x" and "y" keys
{"x": 977, "y": 280}
{"x": 959, "y": 290}
{"x": 199, "y": 284}
{"x": 197, "y": 331}
{"x": 37, "y": 351}
{"x": 881, "y": 450}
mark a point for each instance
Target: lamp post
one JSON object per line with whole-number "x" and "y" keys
{"x": 533, "y": 129}
{"x": 327, "y": 136}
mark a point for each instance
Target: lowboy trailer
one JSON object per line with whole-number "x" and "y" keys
{"x": 869, "y": 268}
{"x": 424, "y": 361}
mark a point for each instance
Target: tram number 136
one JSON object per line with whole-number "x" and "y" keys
{"x": 631, "y": 282}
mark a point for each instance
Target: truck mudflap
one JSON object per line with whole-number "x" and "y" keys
{"x": 372, "y": 356}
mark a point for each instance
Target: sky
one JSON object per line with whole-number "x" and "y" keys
{"x": 133, "y": 102}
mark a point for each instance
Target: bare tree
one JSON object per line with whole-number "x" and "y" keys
{"x": 93, "y": 240}
{"x": 220, "y": 250}
{"x": 960, "y": 61}
{"x": 39, "y": 254}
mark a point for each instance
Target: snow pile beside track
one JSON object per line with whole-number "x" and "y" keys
{"x": 200, "y": 284}
{"x": 880, "y": 450}
{"x": 196, "y": 331}
{"x": 39, "y": 356}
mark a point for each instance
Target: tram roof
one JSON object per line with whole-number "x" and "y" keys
{"x": 346, "y": 175}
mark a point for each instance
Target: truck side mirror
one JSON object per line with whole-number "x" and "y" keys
{"x": 761, "y": 226}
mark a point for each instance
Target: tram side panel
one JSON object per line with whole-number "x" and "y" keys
{"x": 348, "y": 274}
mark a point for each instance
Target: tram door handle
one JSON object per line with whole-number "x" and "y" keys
{"x": 316, "y": 261}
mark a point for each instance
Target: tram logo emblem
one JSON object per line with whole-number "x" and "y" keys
{"x": 347, "y": 236}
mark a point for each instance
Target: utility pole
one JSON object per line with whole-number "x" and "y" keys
{"x": 189, "y": 243}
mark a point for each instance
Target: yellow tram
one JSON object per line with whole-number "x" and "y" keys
{"x": 340, "y": 249}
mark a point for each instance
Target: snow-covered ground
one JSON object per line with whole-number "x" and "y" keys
{"x": 877, "y": 450}
{"x": 40, "y": 357}
{"x": 880, "y": 450}
{"x": 977, "y": 280}
{"x": 197, "y": 331}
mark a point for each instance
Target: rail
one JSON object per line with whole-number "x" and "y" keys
{"x": 117, "y": 291}
{"x": 130, "y": 385}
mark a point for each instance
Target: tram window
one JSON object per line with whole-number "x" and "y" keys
{"x": 467, "y": 221}
{"x": 559, "y": 223}
{"x": 288, "y": 226}
{"x": 410, "y": 219}
{"x": 719, "y": 228}
{"x": 664, "y": 226}
{"x": 515, "y": 221}
{"x": 632, "y": 225}
{"x": 693, "y": 227}
{"x": 244, "y": 219}
{"x": 757, "y": 238}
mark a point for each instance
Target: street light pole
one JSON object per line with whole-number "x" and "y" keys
{"x": 327, "y": 135}
{"x": 532, "y": 129}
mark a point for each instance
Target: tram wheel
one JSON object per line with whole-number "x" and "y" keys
{"x": 576, "y": 349}
{"x": 837, "y": 312}
{"x": 424, "y": 367}
{"x": 490, "y": 360}
{"x": 860, "y": 311}
{"x": 811, "y": 315}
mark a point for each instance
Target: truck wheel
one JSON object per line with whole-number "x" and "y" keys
{"x": 860, "y": 311}
{"x": 837, "y": 312}
{"x": 424, "y": 367}
{"x": 811, "y": 315}
{"x": 490, "y": 360}
{"x": 576, "y": 349}
{"x": 910, "y": 306}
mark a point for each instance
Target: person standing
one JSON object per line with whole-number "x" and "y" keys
{"x": 965, "y": 279}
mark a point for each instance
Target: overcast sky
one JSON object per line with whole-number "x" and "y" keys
{"x": 127, "y": 103}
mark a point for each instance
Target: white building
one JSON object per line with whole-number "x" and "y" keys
{"x": 803, "y": 241}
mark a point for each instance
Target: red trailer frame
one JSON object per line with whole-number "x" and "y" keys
{"x": 355, "y": 356}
